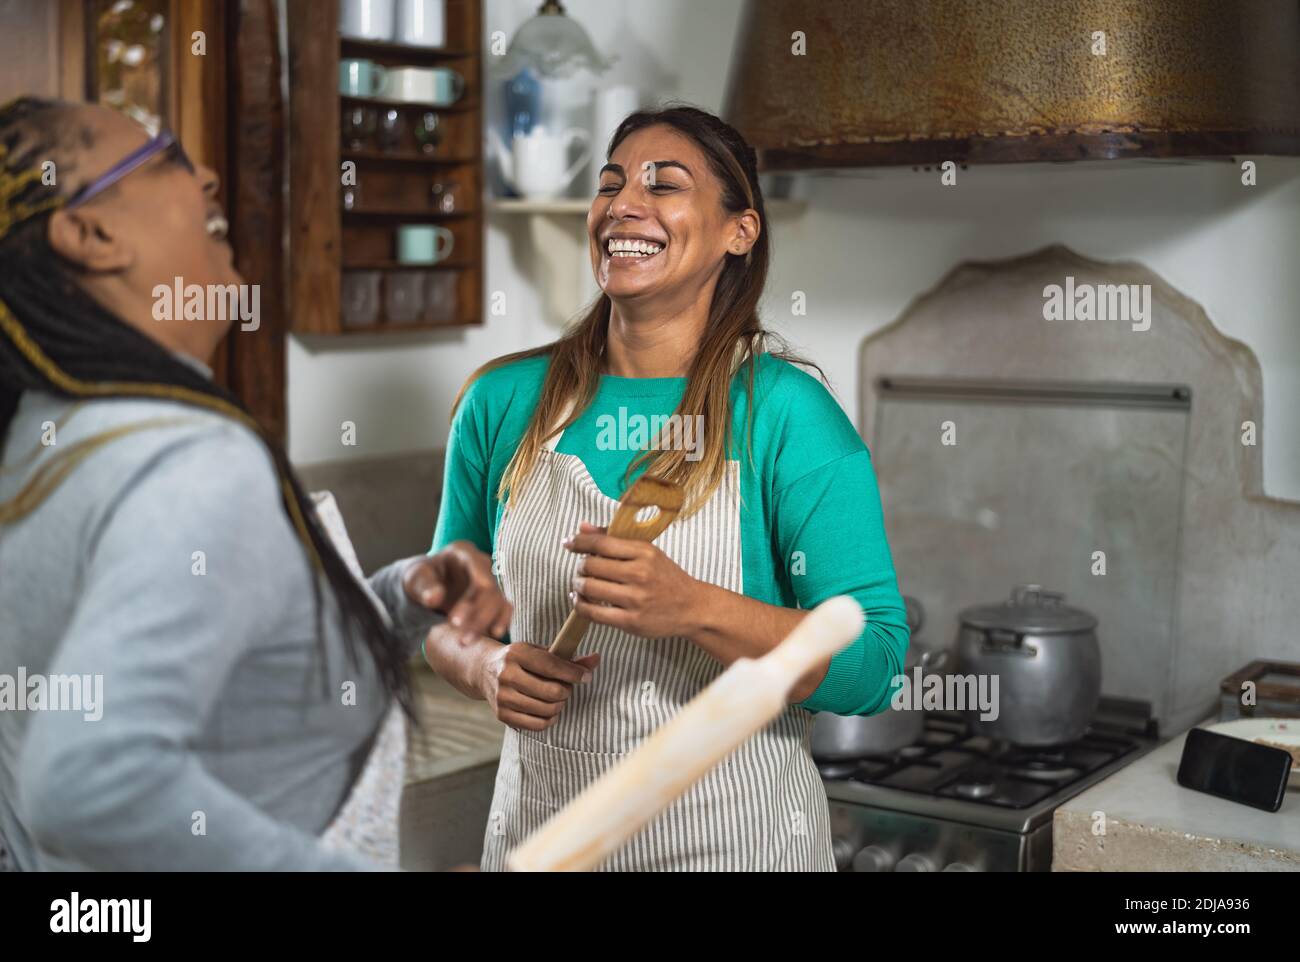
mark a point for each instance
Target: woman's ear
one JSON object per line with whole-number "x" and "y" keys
{"x": 82, "y": 238}
{"x": 746, "y": 232}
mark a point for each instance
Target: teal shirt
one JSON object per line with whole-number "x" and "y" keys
{"x": 810, "y": 519}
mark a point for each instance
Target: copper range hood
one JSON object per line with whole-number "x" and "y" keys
{"x": 907, "y": 82}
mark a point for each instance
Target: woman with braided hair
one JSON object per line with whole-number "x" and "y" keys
{"x": 152, "y": 536}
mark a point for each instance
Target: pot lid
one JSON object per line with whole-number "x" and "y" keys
{"x": 1030, "y": 609}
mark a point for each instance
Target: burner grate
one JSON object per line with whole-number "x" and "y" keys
{"x": 949, "y": 762}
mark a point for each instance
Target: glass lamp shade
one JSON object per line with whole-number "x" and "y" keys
{"x": 553, "y": 45}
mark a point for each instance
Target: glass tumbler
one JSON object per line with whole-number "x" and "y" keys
{"x": 403, "y": 296}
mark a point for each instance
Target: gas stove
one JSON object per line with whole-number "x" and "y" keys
{"x": 957, "y": 801}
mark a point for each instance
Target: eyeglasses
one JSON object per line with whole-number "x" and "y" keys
{"x": 165, "y": 143}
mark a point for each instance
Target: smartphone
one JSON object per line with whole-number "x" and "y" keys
{"x": 1235, "y": 769}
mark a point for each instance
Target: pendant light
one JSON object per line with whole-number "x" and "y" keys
{"x": 553, "y": 45}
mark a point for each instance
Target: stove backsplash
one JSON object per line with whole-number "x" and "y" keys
{"x": 1103, "y": 458}
{"x": 1077, "y": 491}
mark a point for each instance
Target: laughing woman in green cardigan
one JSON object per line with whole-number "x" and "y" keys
{"x": 783, "y": 512}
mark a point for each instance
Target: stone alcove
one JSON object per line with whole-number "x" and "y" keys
{"x": 1225, "y": 566}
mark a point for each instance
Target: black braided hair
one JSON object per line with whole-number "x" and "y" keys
{"x": 93, "y": 347}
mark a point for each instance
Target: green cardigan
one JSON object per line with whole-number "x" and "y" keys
{"x": 811, "y": 523}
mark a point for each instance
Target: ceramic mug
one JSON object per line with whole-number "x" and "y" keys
{"x": 423, "y": 243}
{"x": 448, "y": 86}
{"x": 421, "y": 23}
{"x": 361, "y": 78}
{"x": 366, "y": 19}
{"x": 424, "y": 85}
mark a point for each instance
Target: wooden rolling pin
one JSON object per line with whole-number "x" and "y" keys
{"x": 742, "y": 700}
{"x": 645, "y": 493}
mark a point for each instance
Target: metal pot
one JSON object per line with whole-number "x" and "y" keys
{"x": 845, "y": 737}
{"x": 1047, "y": 661}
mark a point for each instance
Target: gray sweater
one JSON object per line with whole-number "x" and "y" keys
{"x": 223, "y": 739}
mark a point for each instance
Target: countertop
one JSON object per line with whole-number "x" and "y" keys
{"x": 1151, "y": 823}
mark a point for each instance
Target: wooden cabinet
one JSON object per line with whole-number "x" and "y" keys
{"x": 386, "y": 185}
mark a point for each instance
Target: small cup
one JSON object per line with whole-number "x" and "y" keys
{"x": 439, "y": 297}
{"x": 358, "y": 126}
{"x": 403, "y": 296}
{"x": 359, "y": 304}
{"x": 410, "y": 85}
{"x": 445, "y": 196}
{"x": 427, "y": 131}
{"x": 423, "y": 243}
{"x": 366, "y": 19}
{"x": 424, "y": 85}
{"x": 448, "y": 86}
{"x": 361, "y": 78}
{"x": 421, "y": 23}
{"x": 389, "y": 137}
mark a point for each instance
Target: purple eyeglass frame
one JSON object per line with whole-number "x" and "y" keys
{"x": 129, "y": 164}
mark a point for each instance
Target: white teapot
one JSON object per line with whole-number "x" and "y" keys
{"x": 535, "y": 164}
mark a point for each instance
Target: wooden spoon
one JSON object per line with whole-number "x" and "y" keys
{"x": 645, "y": 493}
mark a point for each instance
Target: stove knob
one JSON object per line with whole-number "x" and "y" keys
{"x": 959, "y": 867}
{"x": 914, "y": 863}
{"x": 873, "y": 858}
{"x": 842, "y": 849}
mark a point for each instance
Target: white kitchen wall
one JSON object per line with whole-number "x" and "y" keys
{"x": 867, "y": 244}
{"x": 867, "y": 247}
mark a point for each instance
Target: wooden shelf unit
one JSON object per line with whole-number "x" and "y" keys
{"x": 395, "y": 187}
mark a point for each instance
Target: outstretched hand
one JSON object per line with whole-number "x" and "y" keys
{"x": 458, "y": 582}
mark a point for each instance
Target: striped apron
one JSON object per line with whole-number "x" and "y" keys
{"x": 763, "y": 808}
